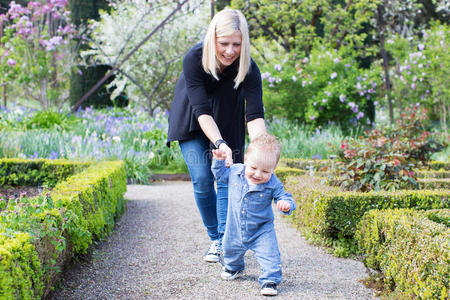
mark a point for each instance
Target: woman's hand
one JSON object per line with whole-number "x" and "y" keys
{"x": 227, "y": 153}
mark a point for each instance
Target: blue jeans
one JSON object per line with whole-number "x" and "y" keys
{"x": 213, "y": 207}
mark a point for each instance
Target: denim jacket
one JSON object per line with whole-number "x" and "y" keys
{"x": 252, "y": 208}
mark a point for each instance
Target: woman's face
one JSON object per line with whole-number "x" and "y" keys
{"x": 228, "y": 48}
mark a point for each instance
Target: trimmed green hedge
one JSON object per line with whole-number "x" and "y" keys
{"x": 441, "y": 216}
{"x": 437, "y": 165}
{"x": 433, "y": 174}
{"x": 434, "y": 183}
{"x": 283, "y": 172}
{"x": 22, "y": 172}
{"x": 412, "y": 252}
{"x": 331, "y": 212}
{"x": 37, "y": 235}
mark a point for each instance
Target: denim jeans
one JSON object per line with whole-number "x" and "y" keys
{"x": 212, "y": 206}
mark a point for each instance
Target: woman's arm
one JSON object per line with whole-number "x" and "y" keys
{"x": 256, "y": 127}
{"x": 209, "y": 127}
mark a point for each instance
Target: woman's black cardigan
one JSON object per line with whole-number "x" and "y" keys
{"x": 198, "y": 93}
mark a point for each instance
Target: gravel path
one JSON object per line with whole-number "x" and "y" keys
{"x": 156, "y": 252}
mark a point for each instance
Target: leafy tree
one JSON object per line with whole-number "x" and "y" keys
{"x": 150, "y": 75}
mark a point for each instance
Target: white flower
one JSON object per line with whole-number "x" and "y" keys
{"x": 333, "y": 75}
{"x": 151, "y": 155}
{"x": 294, "y": 79}
{"x": 116, "y": 139}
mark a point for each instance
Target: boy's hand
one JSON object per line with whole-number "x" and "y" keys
{"x": 219, "y": 154}
{"x": 283, "y": 205}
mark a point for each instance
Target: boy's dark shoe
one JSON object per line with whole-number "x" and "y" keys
{"x": 229, "y": 275}
{"x": 269, "y": 289}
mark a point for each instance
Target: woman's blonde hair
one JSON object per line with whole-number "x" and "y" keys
{"x": 225, "y": 23}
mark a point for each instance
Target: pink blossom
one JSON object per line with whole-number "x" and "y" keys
{"x": 11, "y": 62}
{"x": 360, "y": 115}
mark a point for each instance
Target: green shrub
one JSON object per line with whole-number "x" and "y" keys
{"x": 283, "y": 172}
{"x": 385, "y": 158}
{"x": 432, "y": 174}
{"x": 22, "y": 172}
{"x": 326, "y": 86}
{"x": 334, "y": 213}
{"x": 441, "y": 216}
{"x": 437, "y": 165}
{"x": 37, "y": 235}
{"x": 434, "y": 183}
{"x": 411, "y": 251}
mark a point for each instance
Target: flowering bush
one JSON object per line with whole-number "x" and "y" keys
{"x": 149, "y": 76}
{"x": 422, "y": 69}
{"x": 36, "y": 55}
{"x": 385, "y": 158}
{"x": 325, "y": 87}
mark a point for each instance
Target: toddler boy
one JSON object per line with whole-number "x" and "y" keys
{"x": 251, "y": 188}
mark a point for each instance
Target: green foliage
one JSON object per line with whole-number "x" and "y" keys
{"x": 149, "y": 76}
{"x": 37, "y": 235}
{"x": 20, "y": 267}
{"x": 421, "y": 72}
{"x": 325, "y": 87}
{"x": 36, "y": 52}
{"x": 301, "y": 141}
{"x": 84, "y": 78}
{"x": 21, "y": 172}
{"x": 411, "y": 251}
{"x": 385, "y": 158}
{"x": 334, "y": 213}
{"x": 296, "y": 25}
{"x": 283, "y": 172}
{"x": 441, "y": 216}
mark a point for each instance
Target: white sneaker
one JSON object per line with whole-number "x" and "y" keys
{"x": 213, "y": 253}
{"x": 269, "y": 289}
{"x": 229, "y": 275}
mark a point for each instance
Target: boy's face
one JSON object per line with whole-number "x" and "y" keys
{"x": 259, "y": 168}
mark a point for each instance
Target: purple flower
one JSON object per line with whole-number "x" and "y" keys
{"x": 328, "y": 93}
{"x": 271, "y": 79}
{"x": 278, "y": 67}
{"x": 265, "y": 75}
{"x": 294, "y": 79}
{"x": 348, "y": 65}
{"x": 11, "y": 62}
{"x": 360, "y": 115}
{"x": 333, "y": 75}
{"x": 312, "y": 117}
{"x": 421, "y": 47}
{"x": 342, "y": 98}
{"x": 53, "y": 155}
{"x": 336, "y": 60}
{"x": 413, "y": 86}
{"x": 324, "y": 100}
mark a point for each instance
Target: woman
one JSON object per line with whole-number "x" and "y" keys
{"x": 218, "y": 92}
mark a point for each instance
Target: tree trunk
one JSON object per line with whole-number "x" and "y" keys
{"x": 387, "y": 81}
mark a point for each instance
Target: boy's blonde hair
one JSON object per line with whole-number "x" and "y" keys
{"x": 225, "y": 23}
{"x": 268, "y": 144}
